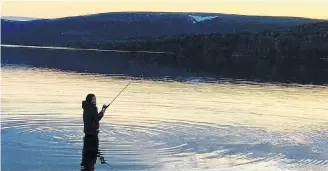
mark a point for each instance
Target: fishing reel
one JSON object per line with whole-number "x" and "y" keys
{"x": 102, "y": 160}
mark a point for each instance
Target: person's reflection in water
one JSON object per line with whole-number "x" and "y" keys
{"x": 90, "y": 153}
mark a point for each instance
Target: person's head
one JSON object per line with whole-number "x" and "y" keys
{"x": 91, "y": 98}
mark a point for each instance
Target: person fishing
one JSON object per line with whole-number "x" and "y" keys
{"x": 91, "y": 119}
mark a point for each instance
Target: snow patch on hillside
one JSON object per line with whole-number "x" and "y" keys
{"x": 201, "y": 18}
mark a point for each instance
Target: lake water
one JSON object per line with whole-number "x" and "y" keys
{"x": 161, "y": 126}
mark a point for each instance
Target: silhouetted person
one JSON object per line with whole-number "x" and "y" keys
{"x": 91, "y": 119}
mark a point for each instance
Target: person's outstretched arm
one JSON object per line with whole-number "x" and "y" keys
{"x": 101, "y": 113}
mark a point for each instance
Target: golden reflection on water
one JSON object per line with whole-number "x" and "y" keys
{"x": 59, "y": 94}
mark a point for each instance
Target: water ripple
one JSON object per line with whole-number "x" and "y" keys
{"x": 161, "y": 125}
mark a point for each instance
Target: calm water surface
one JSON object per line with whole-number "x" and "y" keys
{"x": 161, "y": 126}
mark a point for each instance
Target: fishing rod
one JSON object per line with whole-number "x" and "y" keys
{"x": 131, "y": 81}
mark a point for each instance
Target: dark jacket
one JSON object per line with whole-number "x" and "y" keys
{"x": 91, "y": 118}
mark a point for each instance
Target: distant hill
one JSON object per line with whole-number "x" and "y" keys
{"x": 298, "y": 54}
{"x": 123, "y": 25}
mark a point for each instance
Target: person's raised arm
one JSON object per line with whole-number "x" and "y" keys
{"x": 101, "y": 113}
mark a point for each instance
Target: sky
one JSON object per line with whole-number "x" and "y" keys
{"x": 56, "y": 9}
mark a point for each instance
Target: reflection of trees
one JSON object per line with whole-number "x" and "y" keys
{"x": 299, "y": 54}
